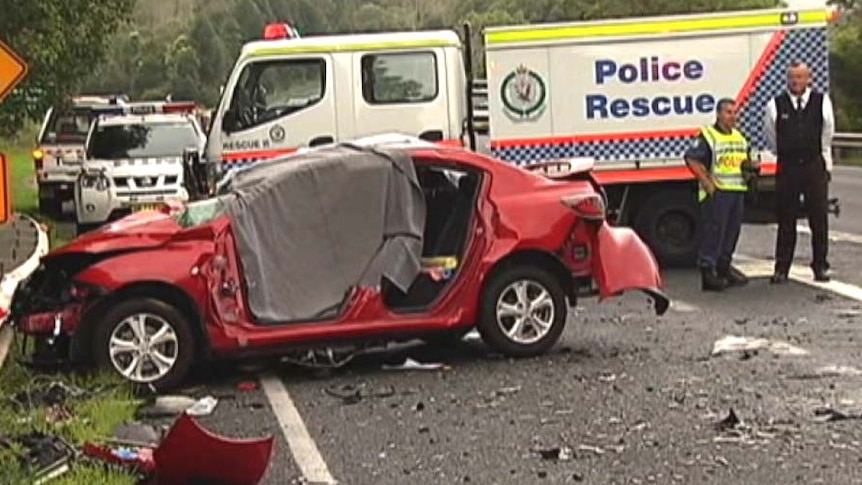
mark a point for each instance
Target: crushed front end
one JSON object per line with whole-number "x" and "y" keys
{"x": 48, "y": 307}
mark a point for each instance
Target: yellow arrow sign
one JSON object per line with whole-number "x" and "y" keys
{"x": 12, "y": 70}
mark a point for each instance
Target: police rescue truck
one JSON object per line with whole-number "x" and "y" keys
{"x": 133, "y": 160}
{"x": 629, "y": 93}
{"x": 60, "y": 150}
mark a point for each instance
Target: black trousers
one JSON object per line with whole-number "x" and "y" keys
{"x": 809, "y": 179}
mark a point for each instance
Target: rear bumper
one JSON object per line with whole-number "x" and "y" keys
{"x": 623, "y": 262}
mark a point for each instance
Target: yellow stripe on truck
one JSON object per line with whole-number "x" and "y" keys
{"x": 347, "y": 47}
{"x": 655, "y": 26}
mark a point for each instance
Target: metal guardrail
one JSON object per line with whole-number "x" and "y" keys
{"x": 847, "y": 140}
{"x": 847, "y": 147}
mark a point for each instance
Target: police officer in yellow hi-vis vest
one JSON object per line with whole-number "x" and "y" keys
{"x": 719, "y": 158}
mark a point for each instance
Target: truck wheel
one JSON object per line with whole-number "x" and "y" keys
{"x": 669, "y": 222}
{"x": 523, "y": 311}
{"x": 51, "y": 207}
{"x": 146, "y": 341}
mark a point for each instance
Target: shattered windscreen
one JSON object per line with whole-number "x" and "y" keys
{"x": 310, "y": 227}
{"x": 201, "y": 211}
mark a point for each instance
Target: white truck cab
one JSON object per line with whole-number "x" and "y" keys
{"x": 134, "y": 161}
{"x": 288, "y": 93}
{"x": 60, "y": 150}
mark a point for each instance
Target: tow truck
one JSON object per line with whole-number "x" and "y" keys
{"x": 133, "y": 160}
{"x": 60, "y": 149}
{"x": 629, "y": 93}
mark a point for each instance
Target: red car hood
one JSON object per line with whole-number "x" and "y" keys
{"x": 137, "y": 231}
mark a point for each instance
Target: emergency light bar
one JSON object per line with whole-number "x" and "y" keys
{"x": 279, "y": 31}
{"x": 142, "y": 108}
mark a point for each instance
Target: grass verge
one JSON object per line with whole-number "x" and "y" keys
{"x": 23, "y": 185}
{"x": 93, "y": 418}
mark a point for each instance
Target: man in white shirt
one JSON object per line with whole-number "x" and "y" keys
{"x": 799, "y": 125}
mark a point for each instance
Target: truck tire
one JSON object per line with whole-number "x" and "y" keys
{"x": 51, "y": 207}
{"x": 669, "y": 223}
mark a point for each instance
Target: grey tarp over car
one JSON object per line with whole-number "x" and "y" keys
{"x": 309, "y": 227}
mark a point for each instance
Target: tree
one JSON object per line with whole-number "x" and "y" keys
{"x": 846, "y": 66}
{"x": 62, "y": 42}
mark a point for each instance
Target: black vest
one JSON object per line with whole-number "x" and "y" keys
{"x": 798, "y": 133}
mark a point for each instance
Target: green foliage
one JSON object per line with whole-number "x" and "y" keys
{"x": 846, "y": 66}
{"x": 186, "y": 48}
{"x": 61, "y": 41}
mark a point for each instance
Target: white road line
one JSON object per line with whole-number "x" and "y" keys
{"x": 304, "y": 451}
{"x": 758, "y": 268}
{"x": 834, "y": 236}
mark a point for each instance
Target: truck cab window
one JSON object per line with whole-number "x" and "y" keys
{"x": 273, "y": 89}
{"x": 409, "y": 77}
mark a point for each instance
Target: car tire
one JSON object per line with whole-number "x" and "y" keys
{"x": 178, "y": 345}
{"x": 502, "y": 291}
{"x": 669, "y": 223}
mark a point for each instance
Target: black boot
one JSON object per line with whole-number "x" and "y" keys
{"x": 711, "y": 281}
{"x": 733, "y": 276}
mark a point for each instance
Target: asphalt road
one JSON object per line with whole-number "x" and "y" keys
{"x": 847, "y": 186}
{"x": 626, "y": 398}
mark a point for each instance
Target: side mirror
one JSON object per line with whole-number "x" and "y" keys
{"x": 192, "y": 173}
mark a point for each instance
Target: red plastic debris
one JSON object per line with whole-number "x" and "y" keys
{"x": 231, "y": 461}
{"x": 247, "y": 386}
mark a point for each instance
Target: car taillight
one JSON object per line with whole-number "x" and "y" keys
{"x": 38, "y": 156}
{"x": 586, "y": 206}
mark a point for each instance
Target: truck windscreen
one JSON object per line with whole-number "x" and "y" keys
{"x": 68, "y": 127}
{"x": 156, "y": 140}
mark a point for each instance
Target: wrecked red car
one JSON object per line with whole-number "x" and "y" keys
{"x": 323, "y": 254}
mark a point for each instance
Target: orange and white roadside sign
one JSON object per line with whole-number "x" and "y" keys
{"x": 12, "y": 70}
{"x": 5, "y": 195}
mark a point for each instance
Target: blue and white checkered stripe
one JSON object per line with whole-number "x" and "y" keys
{"x": 803, "y": 44}
{"x": 799, "y": 44}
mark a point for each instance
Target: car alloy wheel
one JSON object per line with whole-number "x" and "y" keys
{"x": 146, "y": 341}
{"x": 525, "y": 311}
{"x": 143, "y": 348}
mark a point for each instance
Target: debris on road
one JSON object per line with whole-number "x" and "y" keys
{"x": 203, "y": 407}
{"x": 45, "y": 456}
{"x": 410, "y": 364}
{"x": 848, "y": 313}
{"x": 729, "y": 422}
{"x": 829, "y": 414}
{"x": 175, "y": 460}
{"x": 55, "y": 393}
{"x": 170, "y": 406}
{"x": 591, "y": 449}
{"x": 351, "y": 394}
{"x": 247, "y": 386}
{"x": 558, "y": 453}
{"x": 735, "y": 344}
